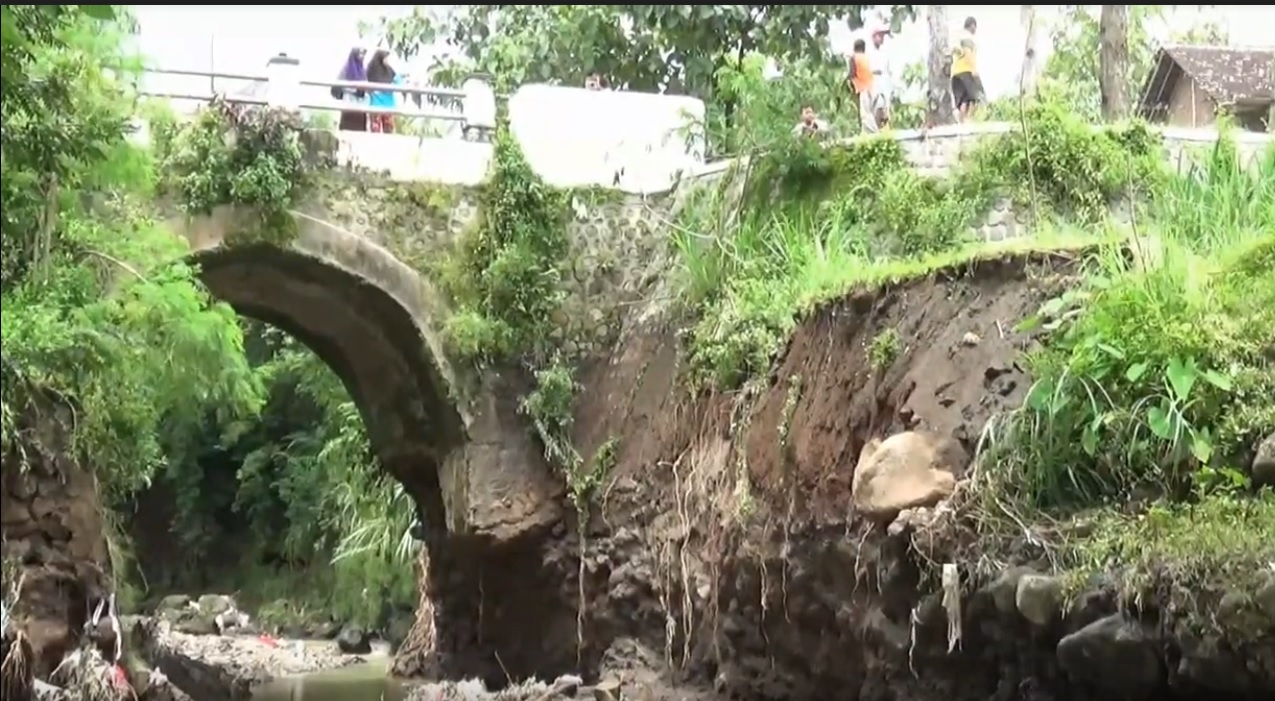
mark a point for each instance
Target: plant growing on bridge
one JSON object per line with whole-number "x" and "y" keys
{"x": 506, "y": 277}
{"x": 236, "y": 155}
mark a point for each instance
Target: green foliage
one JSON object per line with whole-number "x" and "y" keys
{"x": 132, "y": 351}
{"x": 99, "y": 310}
{"x": 649, "y": 48}
{"x": 884, "y": 349}
{"x": 1160, "y": 365}
{"x": 505, "y": 279}
{"x": 232, "y": 154}
{"x": 816, "y": 220}
{"x": 1071, "y": 75}
{"x": 1194, "y": 554}
{"x": 549, "y": 406}
{"x": 296, "y": 484}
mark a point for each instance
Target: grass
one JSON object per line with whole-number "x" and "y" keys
{"x": 1192, "y": 554}
{"x": 1155, "y": 378}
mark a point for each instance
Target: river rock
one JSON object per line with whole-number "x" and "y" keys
{"x": 1004, "y": 589}
{"x": 214, "y": 604}
{"x": 173, "y": 603}
{"x": 1263, "y": 469}
{"x": 398, "y": 628}
{"x": 326, "y": 630}
{"x": 1203, "y": 662}
{"x": 1039, "y": 598}
{"x": 1115, "y": 655}
{"x": 906, "y": 470}
{"x": 353, "y": 640}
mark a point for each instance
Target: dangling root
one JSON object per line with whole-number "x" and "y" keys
{"x": 17, "y": 676}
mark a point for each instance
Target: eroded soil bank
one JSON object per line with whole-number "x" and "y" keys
{"x": 730, "y": 553}
{"x": 57, "y": 576}
{"x": 730, "y": 544}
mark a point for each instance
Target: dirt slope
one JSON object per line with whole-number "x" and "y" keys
{"x": 726, "y": 535}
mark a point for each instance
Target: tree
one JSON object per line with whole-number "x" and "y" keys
{"x": 98, "y": 308}
{"x": 656, "y": 48}
{"x": 939, "y": 95}
{"x": 1113, "y": 61}
{"x": 1030, "y": 71}
{"x": 1071, "y": 73}
{"x": 1270, "y": 118}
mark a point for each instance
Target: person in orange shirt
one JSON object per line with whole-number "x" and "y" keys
{"x": 863, "y": 83}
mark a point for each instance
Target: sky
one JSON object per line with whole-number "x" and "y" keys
{"x": 240, "y": 38}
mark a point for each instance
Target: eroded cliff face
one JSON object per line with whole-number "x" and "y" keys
{"x": 54, "y": 544}
{"x": 731, "y": 548}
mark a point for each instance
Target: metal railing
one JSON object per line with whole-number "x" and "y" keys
{"x": 285, "y": 88}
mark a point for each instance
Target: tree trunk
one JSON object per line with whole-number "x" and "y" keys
{"x": 1113, "y": 61}
{"x": 1032, "y": 63}
{"x": 939, "y": 109}
{"x": 1270, "y": 117}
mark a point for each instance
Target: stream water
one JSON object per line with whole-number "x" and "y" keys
{"x": 361, "y": 682}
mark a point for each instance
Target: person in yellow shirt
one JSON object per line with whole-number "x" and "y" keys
{"x": 967, "y": 87}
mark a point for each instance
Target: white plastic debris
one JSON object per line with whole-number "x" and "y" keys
{"x": 952, "y": 604}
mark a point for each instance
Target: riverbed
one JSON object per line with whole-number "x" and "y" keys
{"x": 366, "y": 681}
{"x": 356, "y": 683}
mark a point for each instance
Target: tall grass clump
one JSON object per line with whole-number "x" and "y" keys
{"x": 1157, "y": 371}
{"x": 753, "y": 284}
{"x": 807, "y": 221}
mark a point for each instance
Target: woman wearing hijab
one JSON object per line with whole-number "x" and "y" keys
{"x": 379, "y": 71}
{"x": 352, "y": 71}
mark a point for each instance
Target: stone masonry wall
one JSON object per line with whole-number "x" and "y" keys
{"x": 619, "y": 241}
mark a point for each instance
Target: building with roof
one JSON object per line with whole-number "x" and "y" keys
{"x": 1190, "y": 85}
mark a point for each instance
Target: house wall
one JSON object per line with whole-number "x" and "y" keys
{"x": 1189, "y": 106}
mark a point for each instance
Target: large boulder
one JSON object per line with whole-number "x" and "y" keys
{"x": 906, "y": 470}
{"x": 1116, "y": 655}
{"x": 354, "y": 640}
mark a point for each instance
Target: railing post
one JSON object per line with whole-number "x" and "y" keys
{"x": 283, "y": 86}
{"x": 478, "y": 106}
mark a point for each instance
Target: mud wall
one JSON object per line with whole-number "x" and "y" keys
{"x": 726, "y": 539}
{"x": 733, "y": 542}
{"x": 54, "y": 544}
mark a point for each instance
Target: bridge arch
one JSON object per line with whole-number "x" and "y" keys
{"x": 364, "y": 313}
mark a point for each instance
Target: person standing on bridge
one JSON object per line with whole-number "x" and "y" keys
{"x": 967, "y": 87}
{"x": 380, "y": 71}
{"x": 862, "y": 82}
{"x": 352, "y": 71}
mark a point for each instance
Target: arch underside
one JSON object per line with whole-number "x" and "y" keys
{"x": 368, "y": 338}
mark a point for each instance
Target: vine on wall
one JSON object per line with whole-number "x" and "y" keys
{"x": 506, "y": 283}
{"x": 505, "y": 280}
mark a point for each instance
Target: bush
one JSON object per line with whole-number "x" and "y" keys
{"x": 1160, "y": 365}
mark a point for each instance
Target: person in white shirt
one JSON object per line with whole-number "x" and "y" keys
{"x": 882, "y": 75}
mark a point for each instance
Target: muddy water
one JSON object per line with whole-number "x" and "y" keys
{"x": 362, "y": 682}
